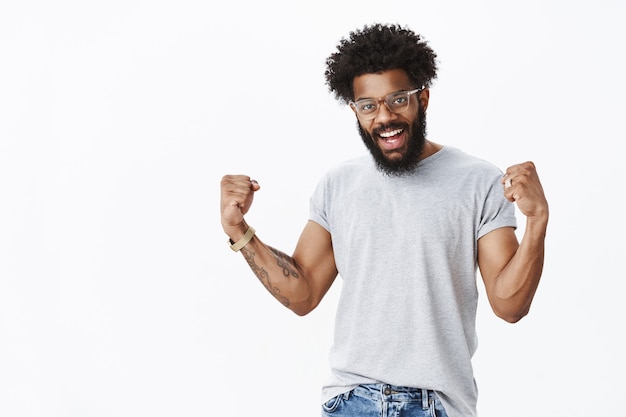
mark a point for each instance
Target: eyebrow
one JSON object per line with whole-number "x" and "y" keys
{"x": 385, "y": 96}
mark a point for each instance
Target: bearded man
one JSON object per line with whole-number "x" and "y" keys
{"x": 406, "y": 228}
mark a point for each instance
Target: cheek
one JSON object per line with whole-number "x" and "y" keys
{"x": 365, "y": 128}
{"x": 368, "y": 127}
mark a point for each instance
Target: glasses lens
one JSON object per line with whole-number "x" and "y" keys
{"x": 397, "y": 102}
{"x": 366, "y": 107}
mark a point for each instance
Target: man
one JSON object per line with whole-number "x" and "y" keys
{"x": 405, "y": 228}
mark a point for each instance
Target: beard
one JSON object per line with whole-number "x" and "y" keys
{"x": 415, "y": 146}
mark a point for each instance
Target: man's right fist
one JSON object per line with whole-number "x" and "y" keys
{"x": 236, "y": 198}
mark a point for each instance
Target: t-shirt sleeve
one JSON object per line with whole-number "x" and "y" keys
{"x": 318, "y": 208}
{"x": 498, "y": 211}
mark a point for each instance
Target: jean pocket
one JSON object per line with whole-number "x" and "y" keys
{"x": 331, "y": 405}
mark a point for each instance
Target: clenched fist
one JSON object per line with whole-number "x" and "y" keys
{"x": 521, "y": 185}
{"x": 236, "y": 198}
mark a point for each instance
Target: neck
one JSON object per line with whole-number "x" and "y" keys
{"x": 430, "y": 148}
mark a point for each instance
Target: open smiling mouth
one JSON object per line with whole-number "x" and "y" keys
{"x": 390, "y": 135}
{"x": 391, "y": 138}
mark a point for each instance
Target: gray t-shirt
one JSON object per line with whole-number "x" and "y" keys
{"x": 406, "y": 249}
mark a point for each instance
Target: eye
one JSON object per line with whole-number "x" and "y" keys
{"x": 397, "y": 100}
{"x": 366, "y": 106}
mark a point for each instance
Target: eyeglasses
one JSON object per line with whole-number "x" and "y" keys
{"x": 397, "y": 102}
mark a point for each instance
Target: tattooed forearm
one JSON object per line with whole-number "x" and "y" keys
{"x": 261, "y": 273}
{"x": 285, "y": 263}
{"x": 264, "y": 276}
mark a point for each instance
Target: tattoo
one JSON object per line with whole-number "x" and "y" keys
{"x": 285, "y": 263}
{"x": 282, "y": 260}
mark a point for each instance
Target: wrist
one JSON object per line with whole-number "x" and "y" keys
{"x": 245, "y": 239}
{"x": 235, "y": 232}
{"x": 537, "y": 226}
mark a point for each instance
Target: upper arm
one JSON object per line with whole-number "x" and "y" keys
{"x": 316, "y": 260}
{"x": 495, "y": 250}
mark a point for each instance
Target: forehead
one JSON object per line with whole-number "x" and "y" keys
{"x": 375, "y": 85}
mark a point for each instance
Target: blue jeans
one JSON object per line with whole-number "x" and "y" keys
{"x": 381, "y": 400}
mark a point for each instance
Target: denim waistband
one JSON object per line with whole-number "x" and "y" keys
{"x": 392, "y": 393}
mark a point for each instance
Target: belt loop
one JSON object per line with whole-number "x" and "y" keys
{"x": 424, "y": 399}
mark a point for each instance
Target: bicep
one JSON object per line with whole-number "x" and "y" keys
{"x": 315, "y": 258}
{"x": 495, "y": 250}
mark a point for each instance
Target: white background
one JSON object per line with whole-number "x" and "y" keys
{"x": 118, "y": 294}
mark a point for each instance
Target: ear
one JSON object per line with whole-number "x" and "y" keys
{"x": 424, "y": 97}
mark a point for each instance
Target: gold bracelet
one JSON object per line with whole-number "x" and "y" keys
{"x": 243, "y": 241}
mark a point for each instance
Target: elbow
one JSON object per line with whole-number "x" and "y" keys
{"x": 301, "y": 312}
{"x": 511, "y": 316}
{"x": 303, "y": 308}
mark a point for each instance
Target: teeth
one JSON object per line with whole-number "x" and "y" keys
{"x": 390, "y": 133}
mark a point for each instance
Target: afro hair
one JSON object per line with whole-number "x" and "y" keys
{"x": 377, "y": 48}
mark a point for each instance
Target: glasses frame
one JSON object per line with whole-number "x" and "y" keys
{"x": 374, "y": 113}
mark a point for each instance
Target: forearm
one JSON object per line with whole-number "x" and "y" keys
{"x": 277, "y": 272}
{"x": 515, "y": 287}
